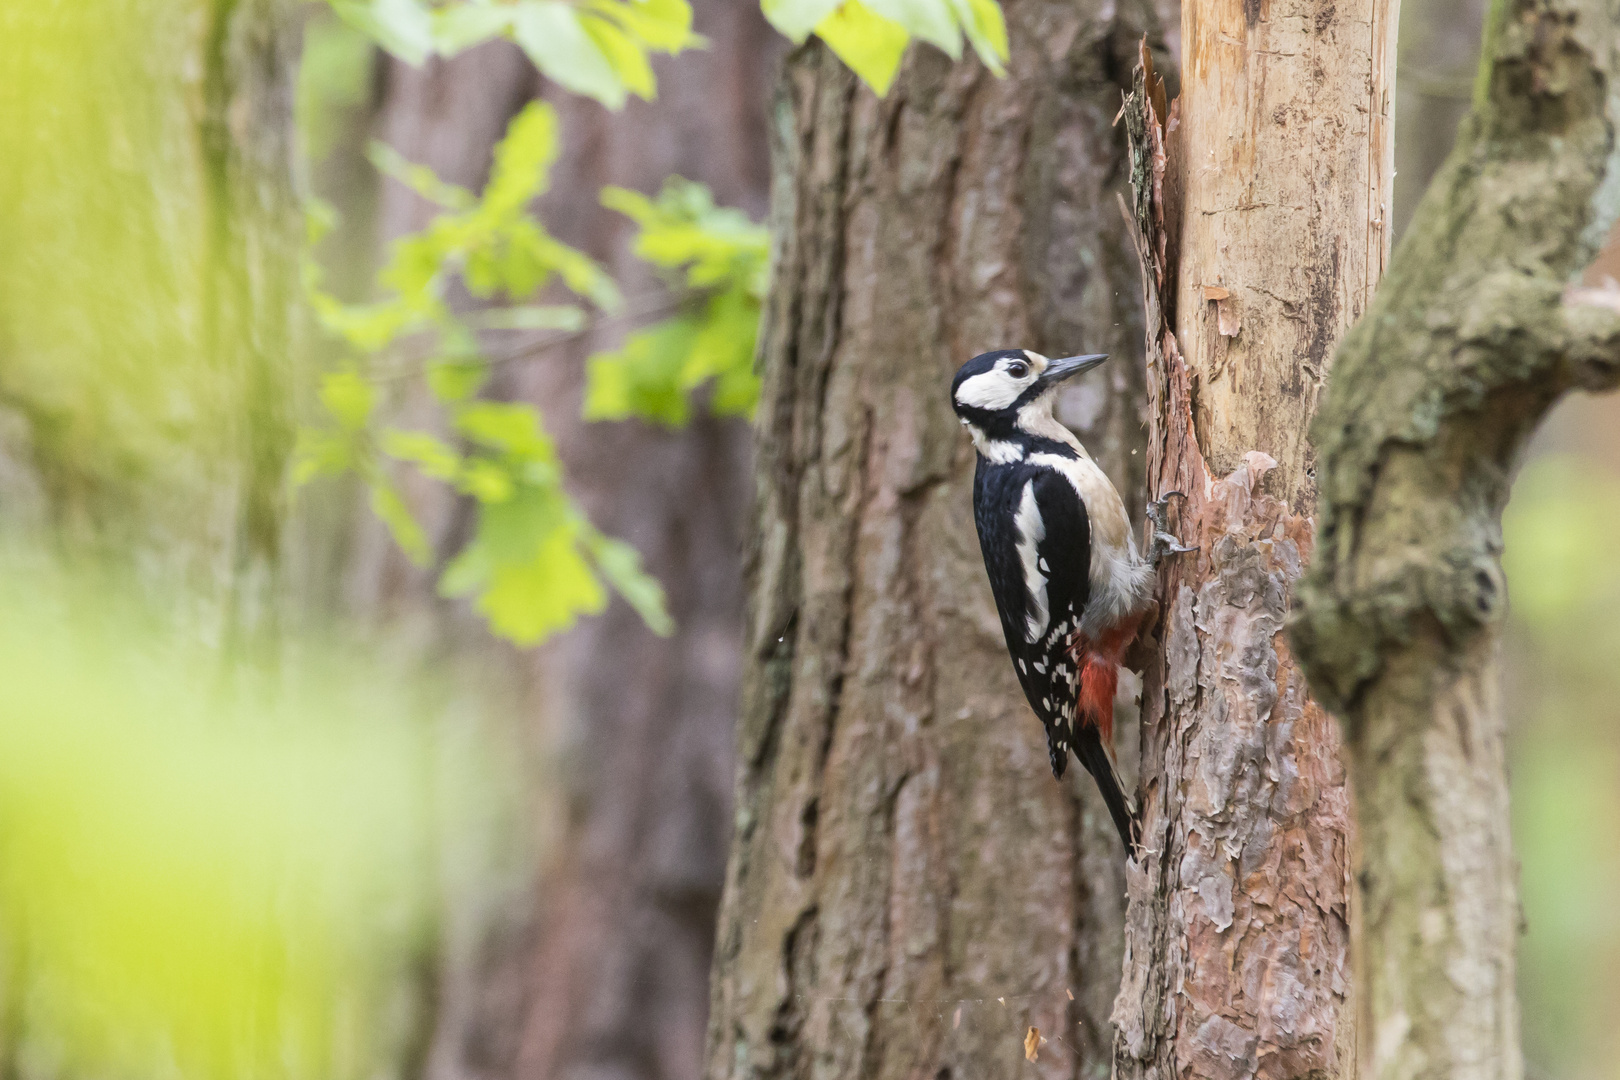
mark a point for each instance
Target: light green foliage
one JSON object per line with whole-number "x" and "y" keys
{"x": 210, "y": 871}
{"x": 493, "y": 243}
{"x": 871, "y": 35}
{"x": 720, "y": 257}
{"x": 598, "y": 48}
{"x": 534, "y": 563}
{"x": 1564, "y": 585}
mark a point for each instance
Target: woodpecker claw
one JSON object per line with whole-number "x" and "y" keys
{"x": 1164, "y": 543}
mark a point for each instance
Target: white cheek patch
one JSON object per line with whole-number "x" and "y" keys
{"x": 991, "y": 391}
{"x": 1031, "y": 531}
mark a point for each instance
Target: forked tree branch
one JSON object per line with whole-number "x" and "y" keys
{"x": 1492, "y": 309}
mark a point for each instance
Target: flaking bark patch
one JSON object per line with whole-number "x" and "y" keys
{"x": 1238, "y": 931}
{"x": 1248, "y": 865}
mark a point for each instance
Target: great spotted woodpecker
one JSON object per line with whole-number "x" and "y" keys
{"x": 1068, "y": 581}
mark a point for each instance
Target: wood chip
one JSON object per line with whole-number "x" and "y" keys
{"x": 1227, "y": 318}
{"x": 1070, "y": 993}
{"x": 956, "y": 1021}
{"x": 1032, "y": 1044}
{"x": 1215, "y": 292}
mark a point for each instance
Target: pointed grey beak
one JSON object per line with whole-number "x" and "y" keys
{"x": 1069, "y": 366}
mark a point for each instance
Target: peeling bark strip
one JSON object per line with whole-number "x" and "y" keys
{"x": 902, "y": 856}
{"x": 1434, "y": 395}
{"x": 1260, "y": 202}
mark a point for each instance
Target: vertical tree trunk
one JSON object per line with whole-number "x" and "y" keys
{"x": 1485, "y": 322}
{"x": 148, "y": 292}
{"x": 601, "y": 967}
{"x": 1263, "y": 197}
{"x": 149, "y": 243}
{"x": 909, "y": 889}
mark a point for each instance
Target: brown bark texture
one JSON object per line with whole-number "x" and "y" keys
{"x": 1493, "y": 309}
{"x": 598, "y": 966}
{"x": 1262, "y": 200}
{"x": 910, "y": 891}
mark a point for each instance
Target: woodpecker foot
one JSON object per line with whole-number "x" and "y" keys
{"x": 1164, "y": 543}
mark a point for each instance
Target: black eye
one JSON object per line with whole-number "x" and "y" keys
{"x": 1018, "y": 369}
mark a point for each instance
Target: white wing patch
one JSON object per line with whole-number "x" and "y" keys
{"x": 1120, "y": 578}
{"x": 1031, "y": 531}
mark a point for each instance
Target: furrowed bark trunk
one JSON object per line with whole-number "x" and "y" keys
{"x": 909, "y": 889}
{"x": 1263, "y": 202}
{"x": 1484, "y": 322}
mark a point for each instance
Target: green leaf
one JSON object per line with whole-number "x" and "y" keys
{"x": 724, "y": 350}
{"x": 643, "y": 378}
{"x": 628, "y": 57}
{"x": 632, "y": 204}
{"x": 419, "y": 178}
{"x": 461, "y": 26}
{"x": 486, "y": 480}
{"x": 987, "y": 31}
{"x": 511, "y": 427}
{"x": 935, "y": 21}
{"x": 868, "y": 43}
{"x": 523, "y": 158}
{"x": 390, "y": 508}
{"x": 665, "y": 25}
{"x": 550, "y": 32}
{"x": 620, "y": 564}
{"x": 453, "y": 381}
{"x": 402, "y": 27}
{"x": 725, "y": 258}
{"x": 349, "y": 398}
{"x": 528, "y": 602}
{"x": 427, "y": 452}
{"x": 797, "y": 18}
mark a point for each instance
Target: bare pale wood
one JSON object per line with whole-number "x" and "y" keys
{"x": 1263, "y": 199}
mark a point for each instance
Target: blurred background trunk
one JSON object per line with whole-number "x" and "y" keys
{"x": 910, "y": 890}
{"x": 593, "y": 959}
{"x": 149, "y": 295}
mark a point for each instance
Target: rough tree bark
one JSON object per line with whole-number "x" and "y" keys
{"x": 1484, "y": 322}
{"x": 1263, "y": 202}
{"x": 909, "y": 889}
{"x": 601, "y": 968}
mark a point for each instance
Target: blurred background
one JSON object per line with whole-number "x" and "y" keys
{"x": 296, "y": 788}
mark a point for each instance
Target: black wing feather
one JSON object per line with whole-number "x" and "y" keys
{"x": 1048, "y": 675}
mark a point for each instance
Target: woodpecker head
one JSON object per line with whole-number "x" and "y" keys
{"x": 1005, "y": 398}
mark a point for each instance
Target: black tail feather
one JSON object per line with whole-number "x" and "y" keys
{"x": 1089, "y": 749}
